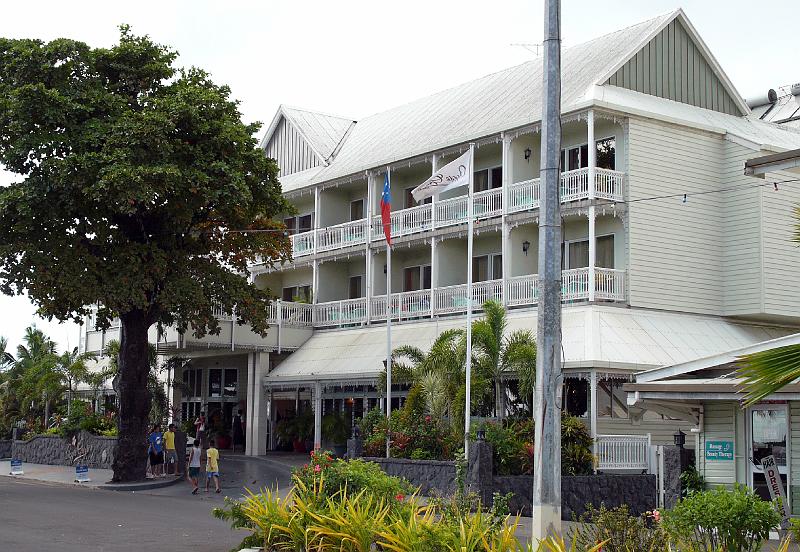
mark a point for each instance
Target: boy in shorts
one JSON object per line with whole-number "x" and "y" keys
{"x": 156, "y": 446}
{"x": 194, "y": 465}
{"x": 212, "y": 466}
{"x": 171, "y": 457}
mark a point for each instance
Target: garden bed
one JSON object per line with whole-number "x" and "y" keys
{"x": 94, "y": 451}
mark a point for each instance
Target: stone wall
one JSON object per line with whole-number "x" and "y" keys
{"x": 638, "y": 492}
{"x": 91, "y": 450}
{"x": 431, "y": 476}
{"x": 5, "y": 448}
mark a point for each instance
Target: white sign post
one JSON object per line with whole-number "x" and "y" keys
{"x": 775, "y": 486}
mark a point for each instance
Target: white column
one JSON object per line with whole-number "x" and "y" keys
{"x": 592, "y": 147}
{"x": 314, "y": 281}
{"x": 434, "y": 260}
{"x": 257, "y": 368}
{"x": 317, "y": 416}
{"x": 271, "y": 420}
{"x": 593, "y": 408}
{"x": 368, "y": 251}
{"x": 505, "y": 244}
{"x": 316, "y": 224}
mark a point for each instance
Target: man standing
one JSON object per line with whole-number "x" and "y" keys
{"x": 156, "y": 445}
{"x": 171, "y": 457}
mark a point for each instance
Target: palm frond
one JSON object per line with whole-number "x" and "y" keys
{"x": 766, "y": 372}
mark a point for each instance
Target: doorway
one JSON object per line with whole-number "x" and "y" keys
{"x": 768, "y": 430}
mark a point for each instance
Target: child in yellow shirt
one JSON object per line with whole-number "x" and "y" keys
{"x": 212, "y": 466}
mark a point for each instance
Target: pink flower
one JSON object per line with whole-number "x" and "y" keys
{"x": 317, "y": 468}
{"x": 656, "y": 515}
{"x": 400, "y": 497}
{"x": 305, "y": 466}
{"x": 428, "y": 419}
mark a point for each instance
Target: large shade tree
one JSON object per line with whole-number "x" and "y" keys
{"x": 139, "y": 189}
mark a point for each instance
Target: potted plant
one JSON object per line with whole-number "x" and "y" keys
{"x": 222, "y": 437}
{"x": 335, "y": 431}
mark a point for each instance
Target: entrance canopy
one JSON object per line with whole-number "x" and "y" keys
{"x": 608, "y": 338}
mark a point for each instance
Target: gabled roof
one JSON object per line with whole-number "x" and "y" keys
{"x": 512, "y": 99}
{"x": 324, "y": 133}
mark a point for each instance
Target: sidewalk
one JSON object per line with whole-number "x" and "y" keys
{"x": 65, "y": 475}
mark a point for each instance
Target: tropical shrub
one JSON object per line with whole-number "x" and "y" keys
{"x": 734, "y": 521}
{"x": 413, "y": 435}
{"x": 621, "y": 531}
{"x": 691, "y": 481}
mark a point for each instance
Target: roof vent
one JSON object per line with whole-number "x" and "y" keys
{"x": 796, "y": 89}
{"x": 770, "y": 97}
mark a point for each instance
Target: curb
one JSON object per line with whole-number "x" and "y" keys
{"x": 141, "y": 485}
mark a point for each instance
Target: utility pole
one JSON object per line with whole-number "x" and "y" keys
{"x": 547, "y": 404}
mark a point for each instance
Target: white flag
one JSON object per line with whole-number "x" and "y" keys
{"x": 454, "y": 174}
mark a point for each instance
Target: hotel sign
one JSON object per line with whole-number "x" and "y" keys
{"x": 719, "y": 450}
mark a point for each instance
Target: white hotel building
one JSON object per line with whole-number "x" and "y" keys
{"x": 670, "y": 252}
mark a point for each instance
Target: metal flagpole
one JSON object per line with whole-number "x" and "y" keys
{"x": 388, "y": 332}
{"x": 470, "y": 224}
{"x": 547, "y": 415}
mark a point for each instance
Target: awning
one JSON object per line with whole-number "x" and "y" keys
{"x": 608, "y": 338}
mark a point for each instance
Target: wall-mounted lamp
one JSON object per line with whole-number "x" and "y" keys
{"x": 525, "y": 246}
{"x": 528, "y": 155}
{"x": 679, "y": 439}
{"x": 384, "y": 269}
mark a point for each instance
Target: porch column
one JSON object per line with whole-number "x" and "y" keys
{"x": 314, "y": 282}
{"x": 505, "y": 246}
{"x": 593, "y": 408}
{"x": 315, "y": 222}
{"x": 368, "y": 251}
{"x": 592, "y": 185}
{"x": 317, "y": 416}
{"x": 297, "y": 400}
{"x": 434, "y": 262}
{"x": 271, "y": 420}
{"x": 257, "y": 368}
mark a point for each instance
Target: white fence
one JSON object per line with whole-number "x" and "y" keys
{"x": 623, "y": 452}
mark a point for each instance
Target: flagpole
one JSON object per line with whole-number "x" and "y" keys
{"x": 470, "y": 224}
{"x": 388, "y": 333}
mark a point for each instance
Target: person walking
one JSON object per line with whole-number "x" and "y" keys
{"x": 238, "y": 431}
{"x": 171, "y": 456}
{"x": 194, "y": 466}
{"x": 200, "y": 428}
{"x": 156, "y": 446}
{"x": 212, "y": 466}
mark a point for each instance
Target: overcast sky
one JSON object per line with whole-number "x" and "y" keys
{"x": 354, "y": 58}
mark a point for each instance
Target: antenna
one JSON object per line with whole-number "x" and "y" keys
{"x": 530, "y": 46}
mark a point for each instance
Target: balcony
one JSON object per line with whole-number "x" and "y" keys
{"x": 519, "y": 197}
{"x": 519, "y": 291}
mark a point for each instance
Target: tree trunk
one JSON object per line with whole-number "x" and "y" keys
{"x": 499, "y": 406}
{"x": 130, "y": 459}
{"x": 46, "y": 412}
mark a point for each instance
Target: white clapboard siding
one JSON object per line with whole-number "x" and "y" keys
{"x": 741, "y": 240}
{"x": 719, "y": 424}
{"x": 675, "y": 253}
{"x": 781, "y": 254}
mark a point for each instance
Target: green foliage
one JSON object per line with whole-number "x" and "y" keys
{"x": 412, "y": 437}
{"x": 81, "y": 417}
{"x": 621, "y": 531}
{"x": 734, "y": 521}
{"x": 336, "y": 428}
{"x": 355, "y": 475}
{"x": 300, "y": 427}
{"x": 319, "y": 514}
{"x": 692, "y": 481}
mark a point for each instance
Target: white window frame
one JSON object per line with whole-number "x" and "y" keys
{"x": 421, "y": 275}
{"x": 490, "y": 261}
{"x": 363, "y": 208}
{"x": 579, "y": 146}
{"x": 489, "y": 170}
{"x": 586, "y": 239}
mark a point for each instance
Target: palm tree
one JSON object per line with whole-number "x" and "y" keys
{"x": 7, "y": 360}
{"x": 72, "y": 367}
{"x": 439, "y": 373}
{"x": 766, "y": 372}
{"x": 36, "y": 375}
{"x": 498, "y": 356}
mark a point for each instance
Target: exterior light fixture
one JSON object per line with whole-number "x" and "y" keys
{"x": 679, "y": 438}
{"x": 480, "y": 435}
{"x": 528, "y": 155}
{"x": 525, "y": 246}
{"x": 384, "y": 269}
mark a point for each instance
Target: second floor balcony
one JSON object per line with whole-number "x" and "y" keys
{"x": 519, "y": 197}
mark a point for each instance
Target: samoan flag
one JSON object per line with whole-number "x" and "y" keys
{"x": 386, "y": 210}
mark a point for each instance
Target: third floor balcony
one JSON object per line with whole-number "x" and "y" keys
{"x": 519, "y": 197}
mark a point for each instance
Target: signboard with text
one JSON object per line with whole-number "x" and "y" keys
{"x": 775, "y": 486}
{"x": 81, "y": 473}
{"x": 719, "y": 450}
{"x": 16, "y": 467}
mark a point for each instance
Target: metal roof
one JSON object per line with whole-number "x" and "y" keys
{"x": 604, "y": 337}
{"x": 324, "y": 133}
{"x": 785, "y": 110}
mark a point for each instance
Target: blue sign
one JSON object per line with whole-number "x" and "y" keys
{"x": 719, "y": 450}
{"x": 16, "y": 467}
{"x": 81, "y": 473}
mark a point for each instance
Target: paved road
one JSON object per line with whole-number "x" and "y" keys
{"x": 37, "y": 516}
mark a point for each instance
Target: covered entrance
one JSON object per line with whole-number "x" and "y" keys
{"x": 768, "y": 430}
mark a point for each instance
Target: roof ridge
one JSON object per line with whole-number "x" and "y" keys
{"x": 316, "y": 112}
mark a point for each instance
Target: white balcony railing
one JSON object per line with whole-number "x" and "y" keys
{"x": 341, "y": 313}
{"x": 609, "y": 284}
{"x": 342, "y": 235}
{"x": 521, "y": 196}
{"x": 623, "y": 452}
